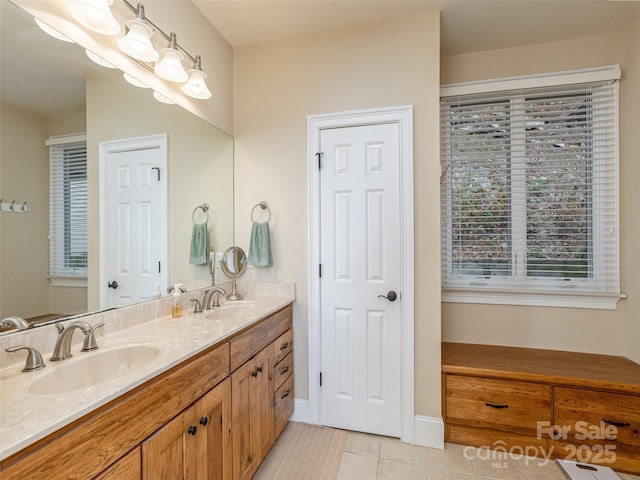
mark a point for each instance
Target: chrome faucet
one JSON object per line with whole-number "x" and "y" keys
{"x": 18, "y": 322}
{"x": 62, "y": 349}
{"x": 212, "y": 298}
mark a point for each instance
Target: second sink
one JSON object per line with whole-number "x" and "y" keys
{"x": 93, "y": 368}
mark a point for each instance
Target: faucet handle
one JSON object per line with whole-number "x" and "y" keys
{"x": 90, "y": 343}
{"x": 34, "y": 359}
{"x": 198, "y": 307}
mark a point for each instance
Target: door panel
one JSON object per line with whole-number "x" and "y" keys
{"x": 361, "y": 260}
{"x": 135, "y": 231}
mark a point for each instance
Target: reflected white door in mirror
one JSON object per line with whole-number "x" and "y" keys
{"x": 133, "y": 235}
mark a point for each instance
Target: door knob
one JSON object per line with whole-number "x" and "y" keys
{"x": 113, "y": 284}
{"x": 391, "y": 296}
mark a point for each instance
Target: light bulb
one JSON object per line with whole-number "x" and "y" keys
{"x": 170, "y": 66}
{"x": 52, "y": 31}
{"x": 134, "y": 81}
{"x": 99, "y": 60}
{"x": 162, "y": 98}
{"x": 94, "y": 15}
{"x": 137, "y": 42}
{"x": 196, "y": 86}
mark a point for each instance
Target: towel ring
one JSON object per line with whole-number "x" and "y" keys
{"x": 264, "y": 206}
{"x": 205, "y": 208}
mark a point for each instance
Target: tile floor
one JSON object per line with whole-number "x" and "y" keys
{"x": 370, "y": 457}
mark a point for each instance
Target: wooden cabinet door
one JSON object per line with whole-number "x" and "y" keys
{"x": 252, "y": 413}
{"x": 262, "y": 422}
{"x": 241, "y": 421}
{"x": 213, "y": 446}
{"x": 170, "y": 453}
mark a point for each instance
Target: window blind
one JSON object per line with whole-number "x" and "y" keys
{"x": 529, "y": 189}
{"x": 68, "y": 209}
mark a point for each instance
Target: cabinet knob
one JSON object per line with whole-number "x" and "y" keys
{"x": 192, "y": 430}
{"x": 259, "y": 369}
{"x": 204, "y": 420}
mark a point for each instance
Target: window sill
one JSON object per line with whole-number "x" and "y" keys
{"x": 68, "y": 282}
{"x": 533, "y": 299}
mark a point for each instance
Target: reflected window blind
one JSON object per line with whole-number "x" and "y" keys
{"x": 68, "y": 209}
{"x": 530, "y": 189}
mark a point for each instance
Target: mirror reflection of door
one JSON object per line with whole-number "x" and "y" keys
{"x": 134, "y": 231}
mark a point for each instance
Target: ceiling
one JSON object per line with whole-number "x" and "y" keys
{"x": 466, "y": 25}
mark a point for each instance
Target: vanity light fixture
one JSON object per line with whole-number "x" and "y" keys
{"x": 95, "y": 15}
{"x": 52, "y": 31}
{"x": 196, "y": 86}
{"x": 137, "y": 42}
{"x": 170, "y": 65}
{"x": 99, "y": 60}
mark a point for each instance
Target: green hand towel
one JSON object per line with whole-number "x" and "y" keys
{"x": 199, "y": 244}
{"x": 260, "y": 246}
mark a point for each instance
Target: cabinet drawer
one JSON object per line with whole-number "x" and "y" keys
{"x": 283, "y": 404}
{"x": 612, "y": 415}
{"x": 500, "y": 404}
{"x": 247, "y": 344}
{"x": 282, "y": 371}
{"x": 282, "y": 346}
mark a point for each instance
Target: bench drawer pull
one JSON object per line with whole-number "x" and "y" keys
{"x": 616, "y": 424}
{"x": 495, "y": 405}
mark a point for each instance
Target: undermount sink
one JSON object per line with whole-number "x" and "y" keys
{"x": 85, "y": 370}
{"x": 236, "y": 309}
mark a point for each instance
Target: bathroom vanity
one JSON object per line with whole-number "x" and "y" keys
{"x": 544, "y": 403}
{"x": 212, "y": 412}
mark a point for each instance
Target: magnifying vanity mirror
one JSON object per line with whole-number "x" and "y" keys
{"x": 234, "y": 264}
{"x": 50, "y": 88}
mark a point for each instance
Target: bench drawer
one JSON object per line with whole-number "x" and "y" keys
{"x": 500, "y": 404}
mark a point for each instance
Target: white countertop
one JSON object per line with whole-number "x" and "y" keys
{"x": 26, "y": 417}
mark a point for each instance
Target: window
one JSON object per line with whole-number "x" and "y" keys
{"x": 68, "y": 209}
{"x": 529, "y": 195}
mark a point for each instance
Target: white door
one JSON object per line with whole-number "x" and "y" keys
{"x": 134, "y": 215}
{"x": 360, "y": 251}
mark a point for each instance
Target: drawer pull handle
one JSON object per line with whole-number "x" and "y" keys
{"x": 616, "y": 424}
{"x": 284, "y": 346}
{"x": 284, "y": 370}
{"x": 495, "y": 405}
{"x": 285, "y": 394}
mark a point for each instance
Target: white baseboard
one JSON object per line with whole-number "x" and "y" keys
{"x": 300, "y": 410}
{"x": 429, "y": 432}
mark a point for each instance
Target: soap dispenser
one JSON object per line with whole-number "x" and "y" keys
{"x": 176, "y": 301}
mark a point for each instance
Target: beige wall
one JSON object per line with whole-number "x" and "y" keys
{"x": 200, "y": 163}
{"x": 630, "y": 186}
{"x": 24, "y": 176}
{"x": 598, "y": 331}
{"x": 276, "y": 86}
{"x": 24, "y": 249}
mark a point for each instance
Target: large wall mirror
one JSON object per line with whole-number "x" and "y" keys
{"x": 50, "y": 88}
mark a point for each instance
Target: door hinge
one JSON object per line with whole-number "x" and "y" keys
{"x": 319, "y": 155}
{"x": 320, "y": 378}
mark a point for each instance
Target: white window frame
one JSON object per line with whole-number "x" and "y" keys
{"x": 58, "y": 275}
{"x": 497, "y": 290}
